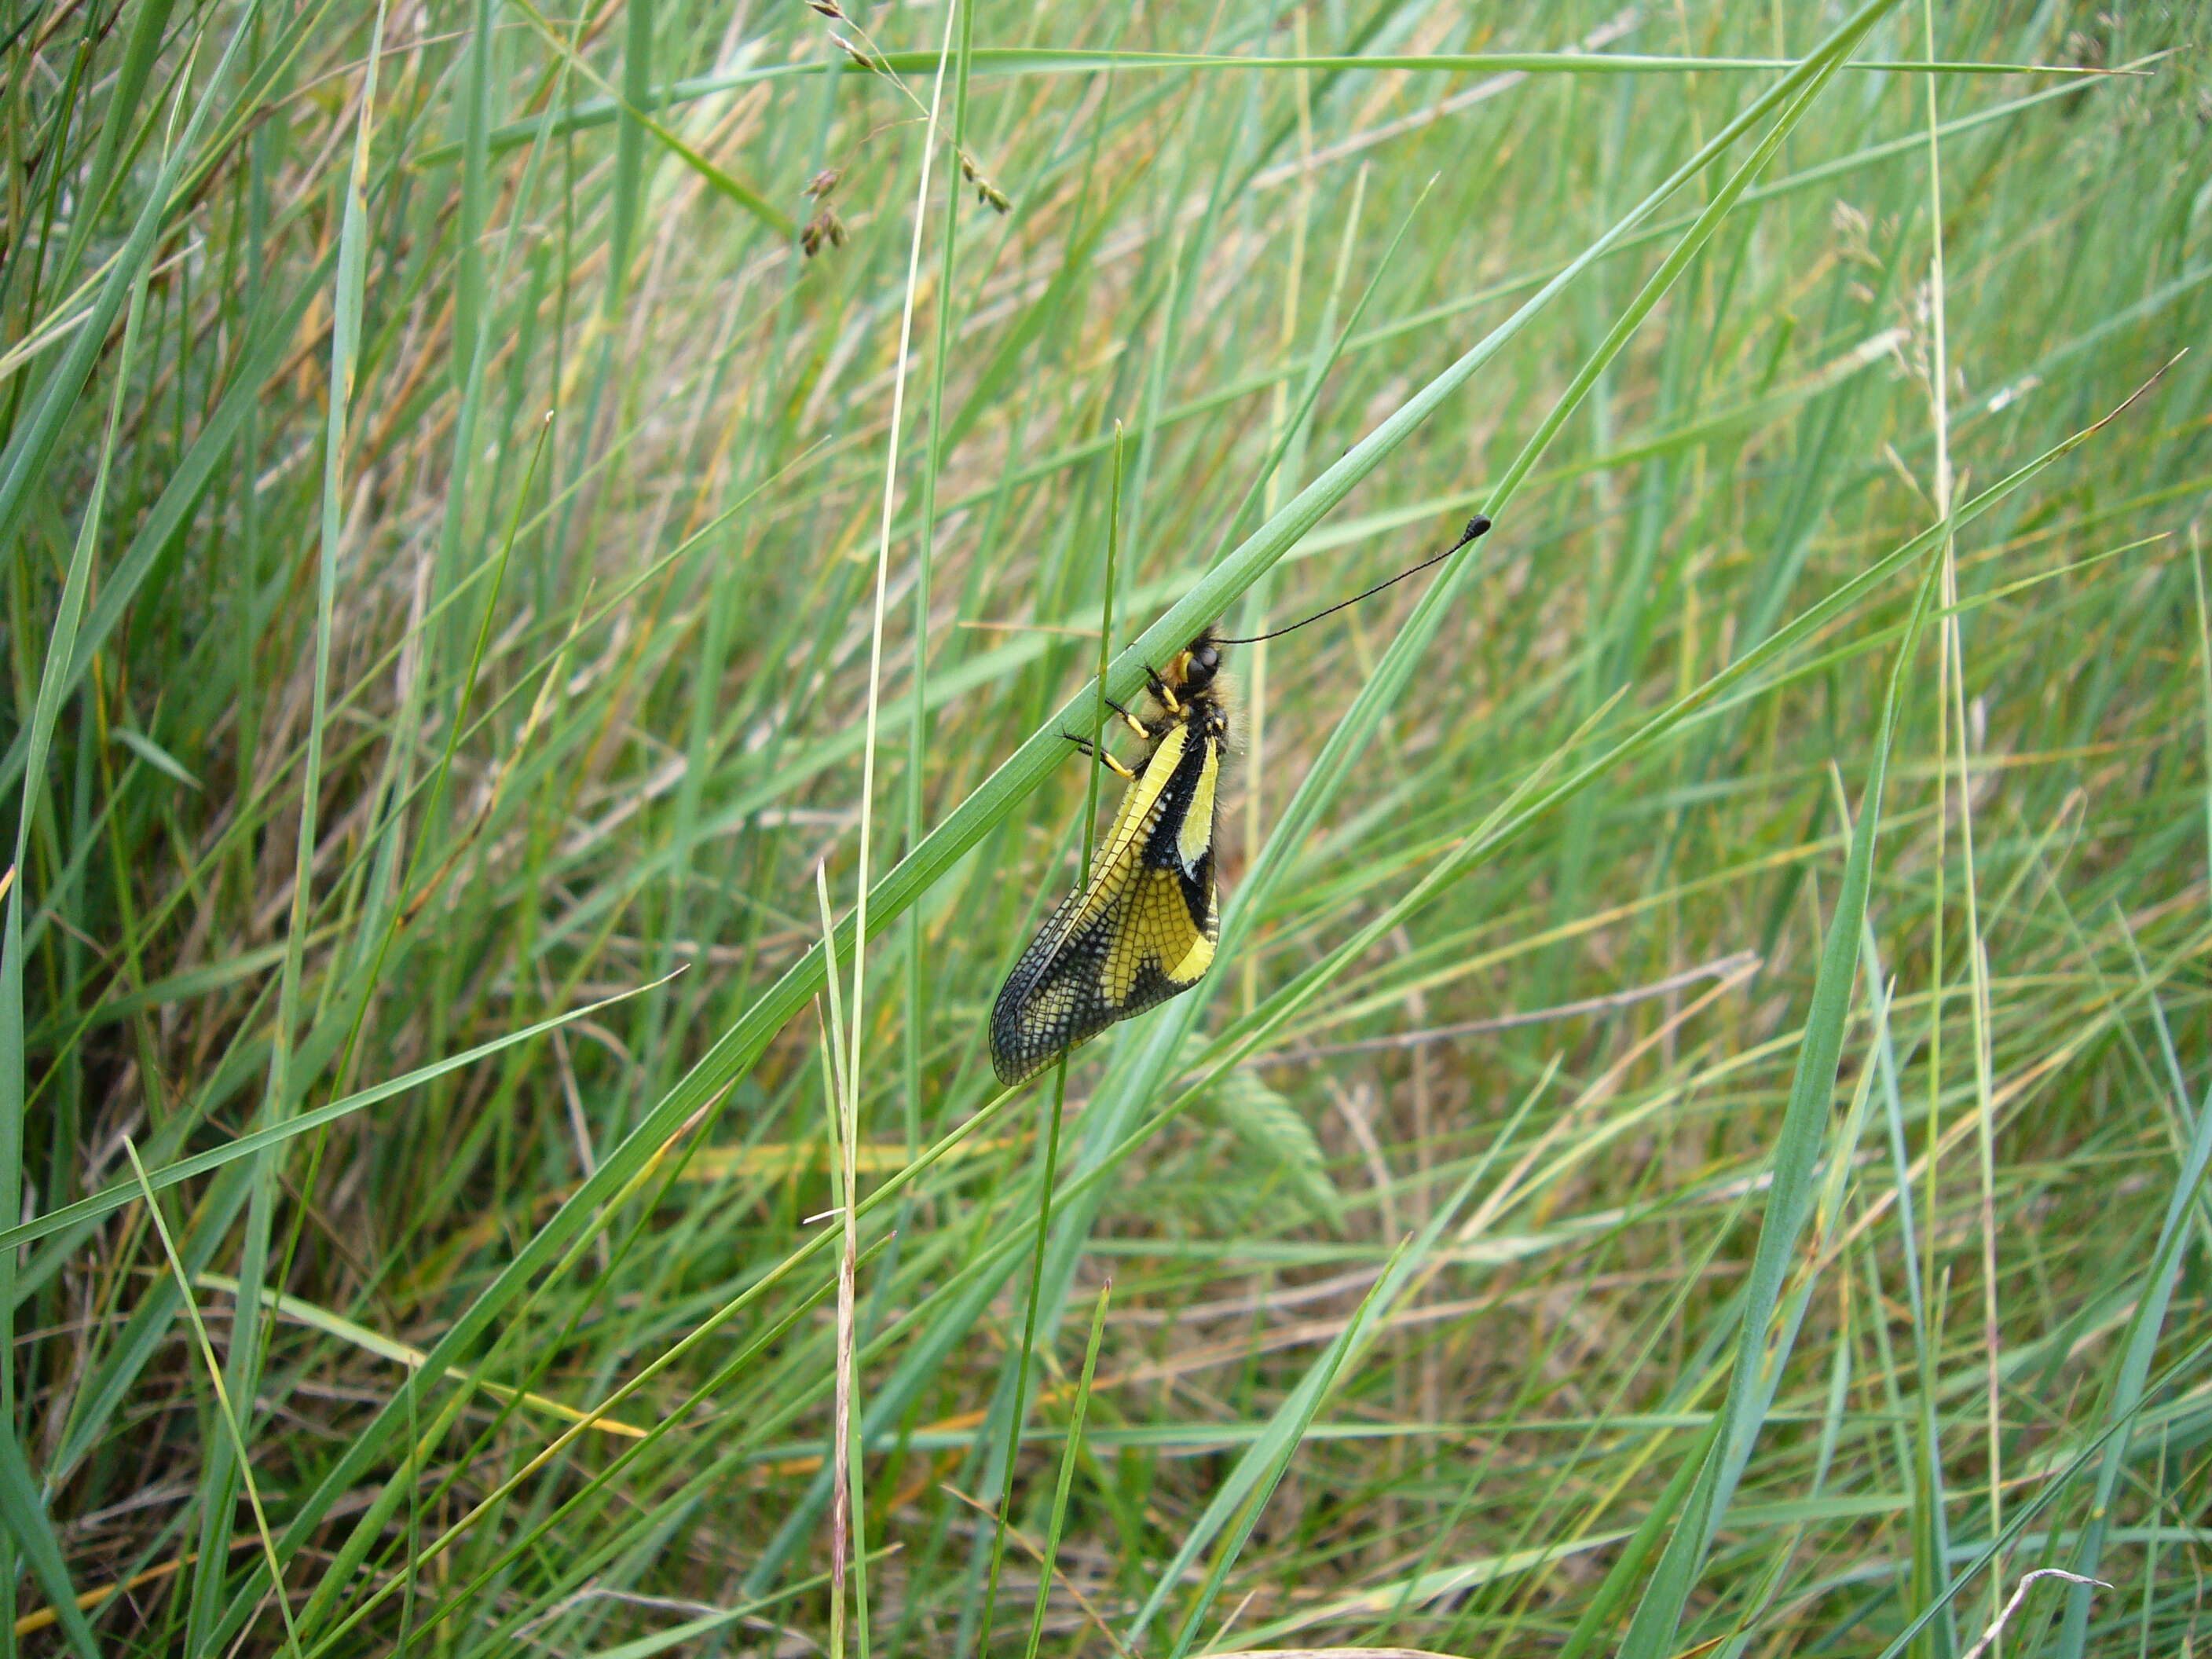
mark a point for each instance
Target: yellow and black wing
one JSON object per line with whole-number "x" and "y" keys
{"x": 1143, "y": 928}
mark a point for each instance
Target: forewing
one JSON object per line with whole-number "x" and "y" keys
{"x": 1139, "y": 933}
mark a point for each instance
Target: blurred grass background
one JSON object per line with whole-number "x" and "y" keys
{"x": 1640, "y": 1179}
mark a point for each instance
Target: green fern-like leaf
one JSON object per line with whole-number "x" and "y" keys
{"x": 1265, "y": 1120}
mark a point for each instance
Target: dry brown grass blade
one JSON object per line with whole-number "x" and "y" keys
{"x": 31, "y": 1623}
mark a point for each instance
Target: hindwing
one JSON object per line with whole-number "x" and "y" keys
{"x": 1141, "y": 930}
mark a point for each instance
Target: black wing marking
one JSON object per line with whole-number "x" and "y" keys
{"x": 1141, "y": 931}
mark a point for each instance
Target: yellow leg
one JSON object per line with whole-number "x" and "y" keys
{"x": 1100, "y": 755}
{"x": 1162, "y": 690}
{"x": 1134, "y": 724}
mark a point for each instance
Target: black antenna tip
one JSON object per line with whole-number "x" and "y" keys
{"x": 1475, "y": 526}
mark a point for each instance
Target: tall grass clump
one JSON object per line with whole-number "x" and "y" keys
{"x": 550, "y": 554}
